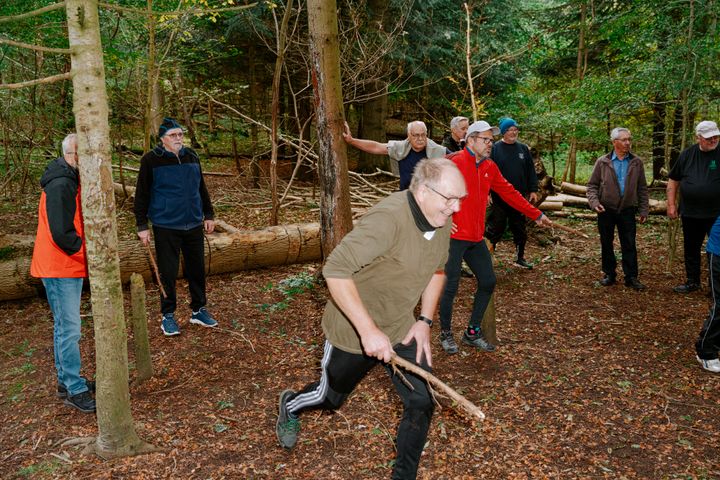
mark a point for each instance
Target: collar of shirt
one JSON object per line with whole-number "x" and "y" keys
{"x": 420, "y": 221}
{"x": 615, "y": 157}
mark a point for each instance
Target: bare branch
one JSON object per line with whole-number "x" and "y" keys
{"x": 38, "y": 48}
{"x": 174, "y": 13}
{"x": 37, "y": 81}
{"x": 39, "y": 11}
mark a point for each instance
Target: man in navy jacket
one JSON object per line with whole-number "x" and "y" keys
{"x": 171, "y": 193}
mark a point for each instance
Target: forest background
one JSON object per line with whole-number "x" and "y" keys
{"x": 567, "y": 71}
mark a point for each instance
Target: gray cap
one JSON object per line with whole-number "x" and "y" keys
{"x": 707, "y": 129}
{"x": 479, "y": 127}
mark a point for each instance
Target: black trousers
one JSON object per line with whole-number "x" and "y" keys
{"x": 168, "y": 245}
{"x": 500, "y": 215}
{"x": 694, "y": 232}
{"x": 340, "y": 374}
{"x": 624, "y": 220}
{"x": 478, "y": 258}
{"x": 707, "y": 345}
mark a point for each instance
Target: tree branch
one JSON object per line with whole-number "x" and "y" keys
{"x": 38, "y": 81}
{"x": 144, "y": 12}
{"x": 38, "y": 48}
{"x": 39, "y": 11}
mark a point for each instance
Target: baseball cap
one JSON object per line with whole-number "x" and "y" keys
{"x": 706, "y": 129}
{"x": 479, "y": 127}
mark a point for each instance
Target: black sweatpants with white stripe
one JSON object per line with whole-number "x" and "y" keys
{"x": 342, "y": 371}
{"x": 708, "y": 342}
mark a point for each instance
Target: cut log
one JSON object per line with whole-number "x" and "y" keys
{"x": 224, "y": 252}
{"x": 565, "y": 199}
{"x": 573, "y": 189}
{"x": 550, "y": 206}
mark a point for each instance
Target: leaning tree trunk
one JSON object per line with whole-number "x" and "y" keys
{"x": 335, "y": 214}
{"x": 226, "y": 252}
{"x": 115, "y": 424}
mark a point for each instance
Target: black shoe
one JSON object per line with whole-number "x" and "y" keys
{"x": 520, "y": 262}
{"x": 687, "y": 287}
{"x": 465, "y": 271}
{"x": 62, "y": 391}
{"x": 82, "y": 401}
{"x": 287, "y": 425}
{"x": 448, "y": 342}
{"x": 477, "y": 340}
{"x": 607, "y": 280}
{"x": 634, "y": 283}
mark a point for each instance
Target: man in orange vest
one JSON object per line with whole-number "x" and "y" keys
{"x": 59, "y": 260}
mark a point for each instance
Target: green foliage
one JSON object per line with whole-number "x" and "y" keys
{"x": 290, "y": 288}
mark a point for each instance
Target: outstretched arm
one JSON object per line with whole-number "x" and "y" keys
{"x": 367, "y": 146}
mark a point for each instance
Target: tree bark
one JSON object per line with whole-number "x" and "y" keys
{"x": 115, "y": 424}
{"x": 335, "y": 214}
{"x": 227, "y": 252}
{"x": 143, "y": 363}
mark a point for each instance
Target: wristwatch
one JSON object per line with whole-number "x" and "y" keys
{"x": 423, "y": 318}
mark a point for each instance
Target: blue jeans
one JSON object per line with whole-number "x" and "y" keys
{"x": 63, "y": 295}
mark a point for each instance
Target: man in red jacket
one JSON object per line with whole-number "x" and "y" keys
{"x": 59, "y": 260}
{"x": 481, "y": 176}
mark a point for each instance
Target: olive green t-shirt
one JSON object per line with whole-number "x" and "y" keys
{"x": 391, "y": 262}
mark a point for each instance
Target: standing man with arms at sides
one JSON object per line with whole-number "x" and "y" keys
{"x": 404, "y": 154}
{"x": 696, "y": 175}
{"x": 456, "y": 140}
{"x": 516, "y": 165}
{"x": 617, "y": 191}
{"x": 481, "y": 176}
{"x": 171, "y": 193}
{"x": 59, "y": 260}
{"x": 377, "y": 274}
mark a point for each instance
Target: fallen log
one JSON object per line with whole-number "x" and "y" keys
{"x": 224, "y": 252}
{"x": 550, "y": 206}
{"x": 566, "y": 199}
{"x": 573, "y": 189}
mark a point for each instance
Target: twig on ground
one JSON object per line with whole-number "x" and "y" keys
{"x": 220, "y": 329}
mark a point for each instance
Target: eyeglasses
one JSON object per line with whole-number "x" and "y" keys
{"x": 175, "y": 135}
{"x": 486, "y": 140}
{"x": 449, "y": 201}
{"x": 418, "y": 135}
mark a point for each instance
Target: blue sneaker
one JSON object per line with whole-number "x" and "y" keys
{"x": 169, "y": 326}
{"x": 203, "y": 317}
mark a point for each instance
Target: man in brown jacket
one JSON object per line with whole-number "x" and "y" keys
{"x": 617, "y": 191}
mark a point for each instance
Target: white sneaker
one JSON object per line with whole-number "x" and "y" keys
{"x": 710, "y": 365}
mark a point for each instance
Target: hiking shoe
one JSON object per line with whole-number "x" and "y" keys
{"x": 607, "y": 281}
{"x": 82, "y": 401}
{"x": 634, "y": 283}
{"x": 712, "y": 365}
{"x": 288, "y": 425}
{"x": 62, "y": 391}
{"x": 477, "y": 339}
{"x": 448, "y": 342}
{"x": 686, "y": 287}
{"x": 520, "y": 262}
{"x": 203, "y": 317}
{"x": 169, "y": 326}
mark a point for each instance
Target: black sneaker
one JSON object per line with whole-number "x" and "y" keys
{"x": 82, "y": 401}
{"x": 62, "y": 391}
{"x": 477, "y": 340}
{"x": 520, "y": 262}
{"x": 607, "y": 281}
{"x": 288, "y": 425}
{"x": 634, "y": 283}
{"x": 448, "y": 342}
{"x": 686, "y": 287}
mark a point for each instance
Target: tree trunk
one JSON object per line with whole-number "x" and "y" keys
{"x": 227, "y": 252}
{"x": 255, "y": 89}
{"x": 115, "y": 424}
{"x": 275, "y": 112}
{"x": 335, "y": 214}
{"x": 143, "y": 362}
{"x": 658, "y": 137}
{"x": 372, "y": 127}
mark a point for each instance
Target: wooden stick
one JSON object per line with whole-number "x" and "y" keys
{"x": 472, "y": 410}
{"x": 155, "y": 270}
{"x": 569, "y": 230}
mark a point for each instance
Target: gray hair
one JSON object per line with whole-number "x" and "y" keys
{"x": 418, "y": 123}
{"x": 430, "y": 171}
{"x": 455, "y": 122}
{"x": 66, "y": 143}
{"x": 615, "y": 134}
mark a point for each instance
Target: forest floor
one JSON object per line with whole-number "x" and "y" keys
{"x": 587, "y": 382}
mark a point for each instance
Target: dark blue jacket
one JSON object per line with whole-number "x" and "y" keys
{"x": 171, "y": 191}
